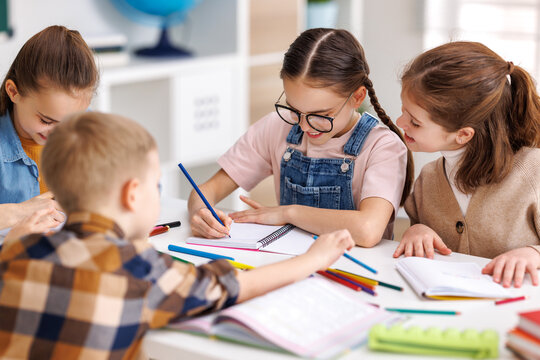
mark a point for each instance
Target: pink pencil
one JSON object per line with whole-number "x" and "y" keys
{"x": 505, "y": 301}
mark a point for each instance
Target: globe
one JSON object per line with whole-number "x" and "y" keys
{"x": 160, "y": 13}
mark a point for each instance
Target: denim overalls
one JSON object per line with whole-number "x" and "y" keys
{"x": 320, "y": 182}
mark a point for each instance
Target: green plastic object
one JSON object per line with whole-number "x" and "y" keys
{"x": 451, "y": 342}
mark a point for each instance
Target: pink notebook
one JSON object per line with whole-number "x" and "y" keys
{"x": 312, "y": 318}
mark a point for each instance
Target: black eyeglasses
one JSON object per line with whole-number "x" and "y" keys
{"x": 319, "y": 123}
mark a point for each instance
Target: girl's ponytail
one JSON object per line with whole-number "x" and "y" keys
{"x": 524, "y": 117}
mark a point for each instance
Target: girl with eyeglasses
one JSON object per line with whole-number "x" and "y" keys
{"x": 333, "y": 168}
{"x": 482, "y": 197}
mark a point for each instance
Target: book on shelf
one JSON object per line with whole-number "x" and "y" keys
{"x": 286, "y": 239}
{"x": 311, "y": 318}
{"x": 445, "y": 280}
{"x": 109, "y": 49}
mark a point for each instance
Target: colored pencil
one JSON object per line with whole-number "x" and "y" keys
{"x": 338, "y": 280}
{"x": 367, "y": 267}
{"x": 182, "y": 260}
{"x": 420, "y": 311}
{"x": 356, "y": 283}
{"x": 241, "y": 266}
{"x": 360, "y": 282}
{"x": 171, "y": 224}
{"x": 159, "y": 230}
{"x": 199, "y": 253}
{"x": 506, "y": 301}
{"x": 378, "y": 282}
{"x": 356, "y": 277}
{"x": 214, "y": 214}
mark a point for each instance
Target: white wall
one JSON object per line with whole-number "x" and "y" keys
{"x": 392, "y": 35}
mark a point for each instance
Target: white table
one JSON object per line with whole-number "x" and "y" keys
{"x": 476, "y": 314}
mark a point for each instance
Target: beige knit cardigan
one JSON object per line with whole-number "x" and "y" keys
{"x": 500, "y": 217}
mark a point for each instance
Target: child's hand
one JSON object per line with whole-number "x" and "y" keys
{"x": 44, "y": 201}
{"x": 39, "y": 222}
{"x": 204, "y": 224}
{"x": 329, "y": 247}
{"x": 512, "y": 265}
{"x": 420, "y": 240}
{"x": 259, "y": 214}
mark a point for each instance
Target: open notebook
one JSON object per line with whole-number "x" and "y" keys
{"x": 286, "y": 239}
{"x": 444, "y": 280}
{"x": 311, "y": 318}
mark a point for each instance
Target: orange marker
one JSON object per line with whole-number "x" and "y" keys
{"x": 159, "y": 230}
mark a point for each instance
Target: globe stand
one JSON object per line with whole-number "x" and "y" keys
{"x": 164, "y": 48}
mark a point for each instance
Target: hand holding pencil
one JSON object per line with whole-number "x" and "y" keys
{"x": 204, "y": 224}
{"x": 205, "y": 221}
{"x": 329, "y": 247}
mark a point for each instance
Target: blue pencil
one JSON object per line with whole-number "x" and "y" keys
{"x": 360, "y": 263}
{"x": 200, "y": 194}
{"x": 355, "y": 260}
{"x": 199, "y": 253}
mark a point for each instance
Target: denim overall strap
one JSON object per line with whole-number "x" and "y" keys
{"x": 359, "y": 135}
{"x": 321, "y": 182}
{"x": 295, "y": 135}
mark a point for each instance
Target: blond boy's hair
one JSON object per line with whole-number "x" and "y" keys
{"x": 90, "y": 154}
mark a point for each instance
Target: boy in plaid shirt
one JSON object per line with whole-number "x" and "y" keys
{"x": 92, "y": 289}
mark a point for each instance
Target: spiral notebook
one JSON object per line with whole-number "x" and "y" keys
{"x": 312, "y": 318}
{"x": 287, "y": 239}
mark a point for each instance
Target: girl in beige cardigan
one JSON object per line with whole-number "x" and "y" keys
{"x": 483, "y": 196}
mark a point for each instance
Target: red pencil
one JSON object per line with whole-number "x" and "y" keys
{"x": 506, "y": 301}
{"x": 369, "y": 286}
{"x": 159, "y": 230}
{"x": 338, "y": 280}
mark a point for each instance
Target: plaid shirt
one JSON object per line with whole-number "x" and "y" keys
{"x": 85, "y": 292}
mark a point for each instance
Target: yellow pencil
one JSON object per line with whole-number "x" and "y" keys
{"x": 240, "y": 266}
{"x": 357, "y": 277}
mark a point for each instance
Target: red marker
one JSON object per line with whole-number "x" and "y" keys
{"x": 505, "y": 301}
{"x": 159, "y": 230}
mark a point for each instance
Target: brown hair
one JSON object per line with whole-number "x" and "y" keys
{"x": 465, "y": 84}
{"x": 55, "y": 55}
{"x": 88, "y": 154}
{"x": 334, "y": 58}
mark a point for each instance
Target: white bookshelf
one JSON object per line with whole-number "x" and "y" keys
{"x": 194, "y": 107}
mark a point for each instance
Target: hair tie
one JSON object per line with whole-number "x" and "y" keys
{"x": 510, "y": 67}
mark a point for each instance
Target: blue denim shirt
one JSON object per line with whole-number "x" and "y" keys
{"x": 18, "y": 173}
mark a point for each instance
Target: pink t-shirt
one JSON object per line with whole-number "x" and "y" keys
{"x": 379, "y": 170}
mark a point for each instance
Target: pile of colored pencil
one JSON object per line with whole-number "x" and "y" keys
{"x": 356, "y": 282}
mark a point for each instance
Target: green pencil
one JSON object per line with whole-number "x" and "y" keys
{"x": 182, "y": 260}
{"x": 419, "y": 311}
{"x": 390, "y": 286}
